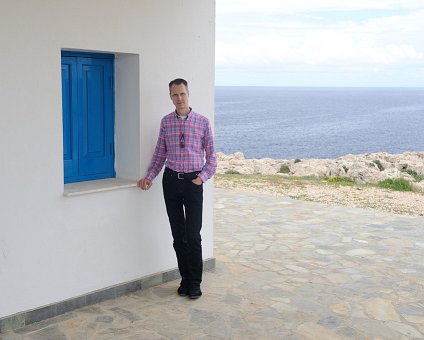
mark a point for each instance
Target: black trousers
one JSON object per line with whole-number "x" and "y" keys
{"x": 184, "y": 205}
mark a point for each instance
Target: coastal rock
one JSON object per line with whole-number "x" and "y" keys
{"x": 418, "y": 186}
{"x": 365, "y": 168}
{"x": 310, "y": 167}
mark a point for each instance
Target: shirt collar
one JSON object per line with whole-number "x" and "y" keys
{"x": 181, "y": 117}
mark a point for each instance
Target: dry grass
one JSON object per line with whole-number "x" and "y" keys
{"x": 321, "y": 190}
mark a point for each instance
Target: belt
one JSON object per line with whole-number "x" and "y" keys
{"x": 181, "y": 175}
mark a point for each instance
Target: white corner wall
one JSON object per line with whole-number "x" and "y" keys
{"x": 52, "y": 247}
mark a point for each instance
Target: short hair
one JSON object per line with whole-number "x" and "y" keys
{"x": 178, "y": 81}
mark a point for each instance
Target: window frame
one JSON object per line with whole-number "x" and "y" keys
{"x": 81, "y": 170}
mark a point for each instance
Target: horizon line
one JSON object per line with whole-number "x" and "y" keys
{"x": 322, "y": 86}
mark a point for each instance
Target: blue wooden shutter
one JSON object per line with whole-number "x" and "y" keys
{"x": 96, "y": 113}
{"x": 70, "y": 122}
{"x": 88, "y": 116}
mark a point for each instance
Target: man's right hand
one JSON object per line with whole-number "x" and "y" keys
{"x": 144, "y": 184}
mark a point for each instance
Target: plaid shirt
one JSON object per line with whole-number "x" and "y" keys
{"x": 198, "y": 146}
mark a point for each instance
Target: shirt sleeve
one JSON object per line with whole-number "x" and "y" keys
{"x": 209, "y": 168}
{"x": 159, "y": 156}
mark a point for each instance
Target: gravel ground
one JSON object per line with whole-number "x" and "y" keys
{"x": 405, "y": 203}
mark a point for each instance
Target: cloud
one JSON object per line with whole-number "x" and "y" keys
{"x": 381, "y": 41}
{"x": 296, "y": 6}
{"x": 320, "y": 42}
{"x": 338, "y": 48}
{"x": 319, "y": 48}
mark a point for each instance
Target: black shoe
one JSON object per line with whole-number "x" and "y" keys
{"x": 183, "y": 289}
{"x": 194, "y": 292}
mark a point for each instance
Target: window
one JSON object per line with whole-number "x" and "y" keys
{"x": 88, "y": 116}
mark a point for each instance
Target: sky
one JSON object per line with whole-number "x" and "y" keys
{"x": 365, "y": 43}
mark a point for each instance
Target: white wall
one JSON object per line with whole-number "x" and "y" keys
{"x": 53, "y": 247}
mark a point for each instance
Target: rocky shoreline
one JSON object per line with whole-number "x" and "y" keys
{"x": 365, "y": 168}
{"x": 360, "y": 169}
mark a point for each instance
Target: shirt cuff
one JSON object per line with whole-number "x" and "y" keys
{"x": 150, "y": 177}
{"x": 203, "y": 177}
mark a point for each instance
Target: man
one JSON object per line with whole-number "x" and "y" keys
{"x": 185, "y": 145}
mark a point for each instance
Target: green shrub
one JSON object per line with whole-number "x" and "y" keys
{"x": 339, "y": 180}
{"x": 284, "y": 169}
{"x": 297, "y": 160}
{"x": 232, "y": 172}
{"x": 379, "y": 165}
{"x": 417, "y": 176}
{"x": 398, "y": 184}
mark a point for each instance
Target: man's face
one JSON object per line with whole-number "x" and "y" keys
{"x": 179, "y": 96}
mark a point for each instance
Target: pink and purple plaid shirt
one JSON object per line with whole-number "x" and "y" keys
{"x": 198, "y": 153}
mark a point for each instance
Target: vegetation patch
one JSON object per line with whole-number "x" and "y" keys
{"x": 417, "y": 176}
{"x": 379, "y": 165}
{"x": 311, "y": 178}
{"x": 284, "y": 169}
{"x": 275, "y": 181}
{"x": 232, "y": 172}
{"x": 339, "y": 180}
{"x": 398, "y": 184}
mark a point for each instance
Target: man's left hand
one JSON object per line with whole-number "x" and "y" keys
{"x": 197, "y": 181}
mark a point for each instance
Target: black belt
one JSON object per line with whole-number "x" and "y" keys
{"x": 181, "y": 175}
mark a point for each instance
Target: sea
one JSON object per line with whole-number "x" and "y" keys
{"x": 317, "y": 122}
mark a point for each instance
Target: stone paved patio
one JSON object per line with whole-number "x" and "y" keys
{"x": 285, "y": 269}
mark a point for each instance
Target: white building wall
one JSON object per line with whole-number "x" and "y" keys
{"x": 54, "y": 247}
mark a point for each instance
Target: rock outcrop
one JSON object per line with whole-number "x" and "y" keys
{"x": 365, "y": 168}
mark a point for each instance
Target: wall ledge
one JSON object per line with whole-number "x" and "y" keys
{"x": 89, "y": 187}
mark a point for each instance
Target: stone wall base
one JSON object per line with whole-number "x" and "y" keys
{"x": 26, "y": 318}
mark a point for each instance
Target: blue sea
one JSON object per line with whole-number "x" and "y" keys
{"x": 296, "y": 122}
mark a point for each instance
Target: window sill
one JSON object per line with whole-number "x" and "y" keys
{"x": 89, "y": 187}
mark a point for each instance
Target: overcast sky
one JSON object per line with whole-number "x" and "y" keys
{"x": 320, "y": 42}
